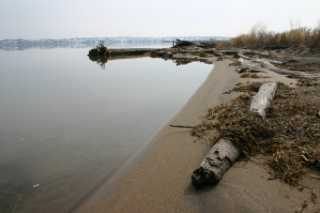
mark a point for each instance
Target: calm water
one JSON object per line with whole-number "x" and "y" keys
{"x": 66, "y": 124}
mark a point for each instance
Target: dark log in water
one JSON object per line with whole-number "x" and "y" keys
{"x": 178, "y": 55}
{"x": 133, "y": 52}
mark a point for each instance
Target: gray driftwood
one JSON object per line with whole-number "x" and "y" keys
{"x": 216, "y": 163}
{"x": 265, "y": 65}
{"x": 224, "y": 153}
{"x": 262, "y": 100}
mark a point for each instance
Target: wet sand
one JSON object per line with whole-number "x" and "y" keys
{"x": 159, "y": 179}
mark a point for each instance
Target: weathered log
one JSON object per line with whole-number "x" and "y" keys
{"x": 265, "y": 65}
{"x": 268, "y": 65}
{"x": 224, "y": 153}
{"x": 216, "y": 163}
{"x": 262, "y": 100}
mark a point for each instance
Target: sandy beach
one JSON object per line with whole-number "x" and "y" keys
{"x": 166, "y": 106}
{"x": 158, "y": 180}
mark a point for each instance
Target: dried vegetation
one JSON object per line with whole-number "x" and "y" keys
{"x": 288, "y": 136}
{"x": 259, "y": 37}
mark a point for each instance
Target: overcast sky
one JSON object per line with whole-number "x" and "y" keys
{"x": 83, "y": 18}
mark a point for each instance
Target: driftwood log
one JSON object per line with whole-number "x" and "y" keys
{"x": 260, "y": 61}
{"x": 262, "y": 100}
{"x": 265, "y": 65}
{"x": 268, "y": 64}
{"x": 224, "y": 153}
{"x": 217, "y": 162}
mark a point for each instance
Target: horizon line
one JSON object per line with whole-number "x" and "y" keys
{"x": 83, "y": 37}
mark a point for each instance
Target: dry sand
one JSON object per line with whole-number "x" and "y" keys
{"x": 159, "y": 180}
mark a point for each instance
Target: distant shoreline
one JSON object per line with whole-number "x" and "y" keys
{"x": 89, "y": 42}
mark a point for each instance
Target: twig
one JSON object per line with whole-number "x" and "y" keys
{"x": 181, "y": 126}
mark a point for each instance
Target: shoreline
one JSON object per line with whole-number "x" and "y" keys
{"x": 159, "y": 178}
{"x": 174, "y": 160}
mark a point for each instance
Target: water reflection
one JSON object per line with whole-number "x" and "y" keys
{"x": 67, "y": 126}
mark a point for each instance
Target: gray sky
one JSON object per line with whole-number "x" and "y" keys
{"x": 82, "y": 18}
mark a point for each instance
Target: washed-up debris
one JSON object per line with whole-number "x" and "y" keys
{"x": 217, "y": 162}
{"x": 225, "y": 152}
{"x": 264, "y": 64}
{"x": 263, "y": 99}
{"x": 289, "y": 135}
{"x": 247, "y": 88}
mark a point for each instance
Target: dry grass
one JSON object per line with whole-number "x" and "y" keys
{"x": 289, "y": 135}
{"x": 250, "y": 88}
{"x": 261, "y": 38}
